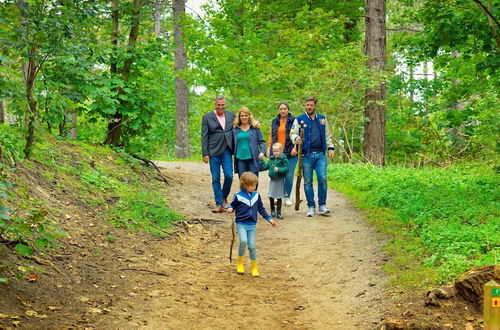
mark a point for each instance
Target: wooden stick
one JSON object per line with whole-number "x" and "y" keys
{"x": 202, "y": 220}
{"x": 232, "y": 240}
{"x": 299, "y": 173}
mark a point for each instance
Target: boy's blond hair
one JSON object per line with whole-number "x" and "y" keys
{"x": 277, "y": 145}
{"x": 248, "y": 179}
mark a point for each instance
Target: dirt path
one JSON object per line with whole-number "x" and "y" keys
{"x": 316, "y": 273}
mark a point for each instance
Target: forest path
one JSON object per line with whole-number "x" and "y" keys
{"x": 316, "y": 273}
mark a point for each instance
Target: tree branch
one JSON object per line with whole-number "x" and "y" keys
{"x": 404, "y": 28}
{"x": 486, "y": 11}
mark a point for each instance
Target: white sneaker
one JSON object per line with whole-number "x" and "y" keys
{"x": 323, "y": 210}
{"x": 288, "y": 202}
{"x": 310, "y": 213}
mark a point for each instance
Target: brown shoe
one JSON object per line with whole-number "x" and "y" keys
{"x": 218, "y": 209}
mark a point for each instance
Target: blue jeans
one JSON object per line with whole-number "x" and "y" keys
{"x": 292, "y": 163}
{"x": 246, "y": 234}
{"x": 245, "y": 165}
{"x": 317, "y": 162}
{"x": 226, "y": 161}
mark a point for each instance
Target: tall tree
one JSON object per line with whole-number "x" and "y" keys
{"x": 181, "y": 90}
{"x": 30, "y": 71}
{"x": 116, "y": 124}
{"x": 375, "y": 50}
{"x": 37, "y": 32}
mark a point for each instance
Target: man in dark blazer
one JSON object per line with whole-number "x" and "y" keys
{"x": 217, "y": 149}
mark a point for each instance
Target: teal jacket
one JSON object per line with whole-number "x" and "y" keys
{"x": 281, "y": 163}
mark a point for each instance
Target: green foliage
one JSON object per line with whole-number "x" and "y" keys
{"x": 71, "y": 43}
{"x": 259, "y": 55}
{"x": 451, "y": 113}
{"x": 452, "y": 215}
{"x": 10, "y": 143}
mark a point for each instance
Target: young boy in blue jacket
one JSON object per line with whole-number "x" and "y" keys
{"x": 246, "y": 203}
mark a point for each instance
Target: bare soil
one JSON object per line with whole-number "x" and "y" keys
{"x": 316, "y": 273}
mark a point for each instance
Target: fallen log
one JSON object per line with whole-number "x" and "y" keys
{"x": 470, "y": 283}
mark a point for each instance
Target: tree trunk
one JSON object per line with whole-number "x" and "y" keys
{"x": 157, "y": 17}
{"x": 114, "y": 35}
{"x": 30, "y": 71}
{"x": 375, "y": 50}
{"x": 116, "y": 124}
{"x": 2, "y": 113}
{"x": 182, "y": 145}
{"x": 73, "y": 121}
{"x": 31, "y": 115}
{"x": 62, "y": 125}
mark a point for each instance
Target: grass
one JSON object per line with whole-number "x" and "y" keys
{"x": 440, "y": 222}
{"x": 108, "y": 179}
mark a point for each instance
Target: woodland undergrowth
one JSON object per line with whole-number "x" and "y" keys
{"x": 109, "y": 182}
{"x": 439, "y": 221}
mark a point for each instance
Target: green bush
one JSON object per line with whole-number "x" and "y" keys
{"x": 453, "y": 213}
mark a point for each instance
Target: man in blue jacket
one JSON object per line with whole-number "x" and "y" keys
{"x": 317, "y": 141}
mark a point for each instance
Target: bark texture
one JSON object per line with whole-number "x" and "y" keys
{"x": 73, "y": 122}
{"x": 182, "y": 146}
{"x": 31, "y": 71}
{"x": 157, "y": 17}
{"x": 375, "y": 49}
{"x": 470, "y": 284}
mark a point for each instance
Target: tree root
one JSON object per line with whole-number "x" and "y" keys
{"x": 148, "y": 162}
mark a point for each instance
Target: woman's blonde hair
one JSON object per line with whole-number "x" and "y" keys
{"x": 248, "y": 179}
{"x": 251, "y": 119}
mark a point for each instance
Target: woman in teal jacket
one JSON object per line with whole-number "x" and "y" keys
{"x": 249, "y": 145}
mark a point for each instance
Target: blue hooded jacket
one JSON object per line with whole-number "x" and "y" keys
{"x": 247, "y": 205}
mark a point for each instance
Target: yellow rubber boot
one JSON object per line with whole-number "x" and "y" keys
{"x": 255, "y": 269}
{"x": 241, "y": 266}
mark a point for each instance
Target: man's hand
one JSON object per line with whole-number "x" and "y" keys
{"x": 331, "y": 153}
{"x": 261, "y": 156}
{"x": 205, "y": 159}
{"x": 273, "y": 223}
{"x": 294, "y": 152}
{"x": 298, "y": 140}
{"x": 229, "y": 210}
